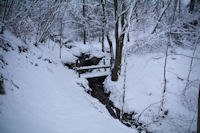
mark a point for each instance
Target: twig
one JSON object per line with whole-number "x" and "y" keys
{"x": 192, "y": 121}
{"x": 145, "y": 110}
{"x": 159, "y": 19}
{"x": 185, "y": 56}
{"x": 190, "y": 69}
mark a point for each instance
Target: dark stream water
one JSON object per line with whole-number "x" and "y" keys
{"x": 97, "y": 91}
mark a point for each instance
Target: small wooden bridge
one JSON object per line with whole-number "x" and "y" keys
{"x": 101, "y": 70}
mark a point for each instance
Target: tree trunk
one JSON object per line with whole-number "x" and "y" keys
{"x": 7, "y": 13}
{"x": 104, "y": 23}
{"x": 136, "y": 14}
{"x": 164, "y": 76}
{"x": 102, "y": 41}
{"x": 190, "y": 68}
{"x": 2, "y": 29}
{"x": 128, "y": 37}
{"x": 124, "y": 85}
{"x": 121, "y": 39}
{"x": 84, "y": 30}
{"x": 114, "y": 74}
{"x": 198, "y": 120}
{"x": 192, "y": 2}
{"x": 61, "y": 29}
{"x": 179, "y": 6}
{"x": 166, "y": 57}
{"x": 4, "y": 16}
{"x": 111, "y": 50}
{"x": 99, "y": 37}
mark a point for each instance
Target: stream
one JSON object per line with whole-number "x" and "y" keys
{"x": 97, "y": 91}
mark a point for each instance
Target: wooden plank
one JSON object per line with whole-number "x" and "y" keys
{"x": 97, "y": 74}
{"x": 92, "y": 67}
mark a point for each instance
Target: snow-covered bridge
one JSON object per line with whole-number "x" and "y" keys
{"x": 102, "y": 70}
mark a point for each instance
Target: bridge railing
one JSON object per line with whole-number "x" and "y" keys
{"x": 79, "y": 68}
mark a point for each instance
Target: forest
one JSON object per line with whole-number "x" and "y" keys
{"x": 75, "y": 66}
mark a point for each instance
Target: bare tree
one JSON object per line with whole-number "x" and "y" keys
{"x": 44, "y": 29}
{"x": 111, "y": 49}
{"x": 61, "y": 29}
{"x": 191, "y": 64}
{"x": 7, "y": 9}
{"x": 116, "y": 61}
{"x": 119, "y": 38}
{"x": 198, "y": 119}
{"x": 166, "y": 55}
{"x": 179, "y": 6}
{"x": 103, "y": 2}
{"x": 160, "y": 17}
{"x": 124, "y": 84}
{"x": 4, "y": 15}
{"x": 84, "y": 30}
{"x": 192, "y": 3}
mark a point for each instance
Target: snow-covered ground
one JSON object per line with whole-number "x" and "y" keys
{"x": 144, "y": 89}
{"x": 42, "y": 96}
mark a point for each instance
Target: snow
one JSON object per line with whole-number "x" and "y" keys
{"x": 95, "y": 74}
{"x": 91, "y": 48}
{"x": 92, "y": 67}
{"x": 116, "y": 91}
{"x": 144, "y": 88}
{"x": 48, "y": 98}
{"x": 44, "y": 96}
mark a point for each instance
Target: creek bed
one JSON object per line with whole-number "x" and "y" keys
{"x": 97, "y": 91}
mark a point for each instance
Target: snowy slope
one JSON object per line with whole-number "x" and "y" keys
{"x": 144, "y": 89}
{"x": 145, "y": 84}
{"x": 42, "y": 96}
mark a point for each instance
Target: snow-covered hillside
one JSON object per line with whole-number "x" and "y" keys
{"x": 145, "y": 84}
{"x": 144, "y": 89}
{"x": 42, "y": 96}
{"x": 102, "y": 66}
